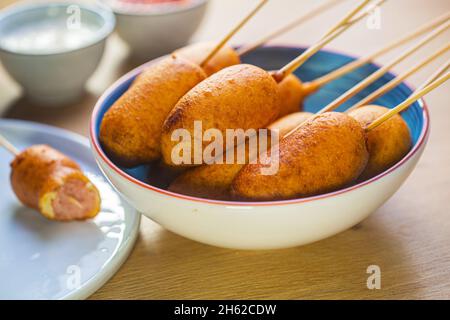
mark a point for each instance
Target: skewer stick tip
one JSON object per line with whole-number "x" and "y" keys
{"x": 8, "y": 146}
{"x": 233, "y": 32}
{"x": 408, "y": 102}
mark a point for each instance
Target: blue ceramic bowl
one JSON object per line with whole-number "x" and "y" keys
{"x": 277, "y": 223}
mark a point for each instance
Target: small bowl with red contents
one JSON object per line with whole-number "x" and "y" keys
{"x": 152, "y": 28}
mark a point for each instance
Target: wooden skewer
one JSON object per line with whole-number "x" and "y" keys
{"x": 297, "y": 22}
{"x": 382, "y": 71}
{"x": 375, "y": 76}
{"x": 314, "y": 85}
{"x": 233, "y": 32}
{"x": 15, "y": 152}
{"x": 396, "y": 81}
{"x": 347, "y": 18}
{"x": 301, "y": 59}
{"x": 436, "y": 75}
{"x": 319, "y": 82}
{"x": 405, "y": 104}
{"x": 8, "y": 145}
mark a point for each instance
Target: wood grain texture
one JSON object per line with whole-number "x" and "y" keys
{"x": 409, "y": 237}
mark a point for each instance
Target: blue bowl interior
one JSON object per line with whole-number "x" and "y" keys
{"x": 272, "y": 58}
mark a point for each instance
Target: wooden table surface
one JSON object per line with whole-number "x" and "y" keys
{"x": 408, "y": 238}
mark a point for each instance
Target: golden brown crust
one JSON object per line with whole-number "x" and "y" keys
{"x": 214, "y": 181}
{"x": 289, "y": 122}
{"x": 131, "y": 129}
{"x": 31, "y": 169}
{"x": 327, "y": 153}
{"x": 291, "y": 95}
{"x": 387, "y": 144}
{"x": 207, "y": 181}
{"x": 197, "y": 52}
{"x": 238, "y": 97}
{"x": 41, "y": 169}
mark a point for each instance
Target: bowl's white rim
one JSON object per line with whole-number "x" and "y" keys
{"x": 101, "y": 34}
{"x": 170, "y": 10}
{"x": 97, "y": 148}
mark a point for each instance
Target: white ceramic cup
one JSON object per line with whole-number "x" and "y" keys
{"x": 152, "y": 33}
{"x": 57, "y": 75}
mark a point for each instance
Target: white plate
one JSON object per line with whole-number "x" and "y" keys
{"x": 42, "y": 259}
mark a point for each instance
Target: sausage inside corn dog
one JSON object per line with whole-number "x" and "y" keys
{"x": 48, "y": 181}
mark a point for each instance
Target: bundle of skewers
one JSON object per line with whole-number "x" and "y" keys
{"x": 316, "y": 153}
